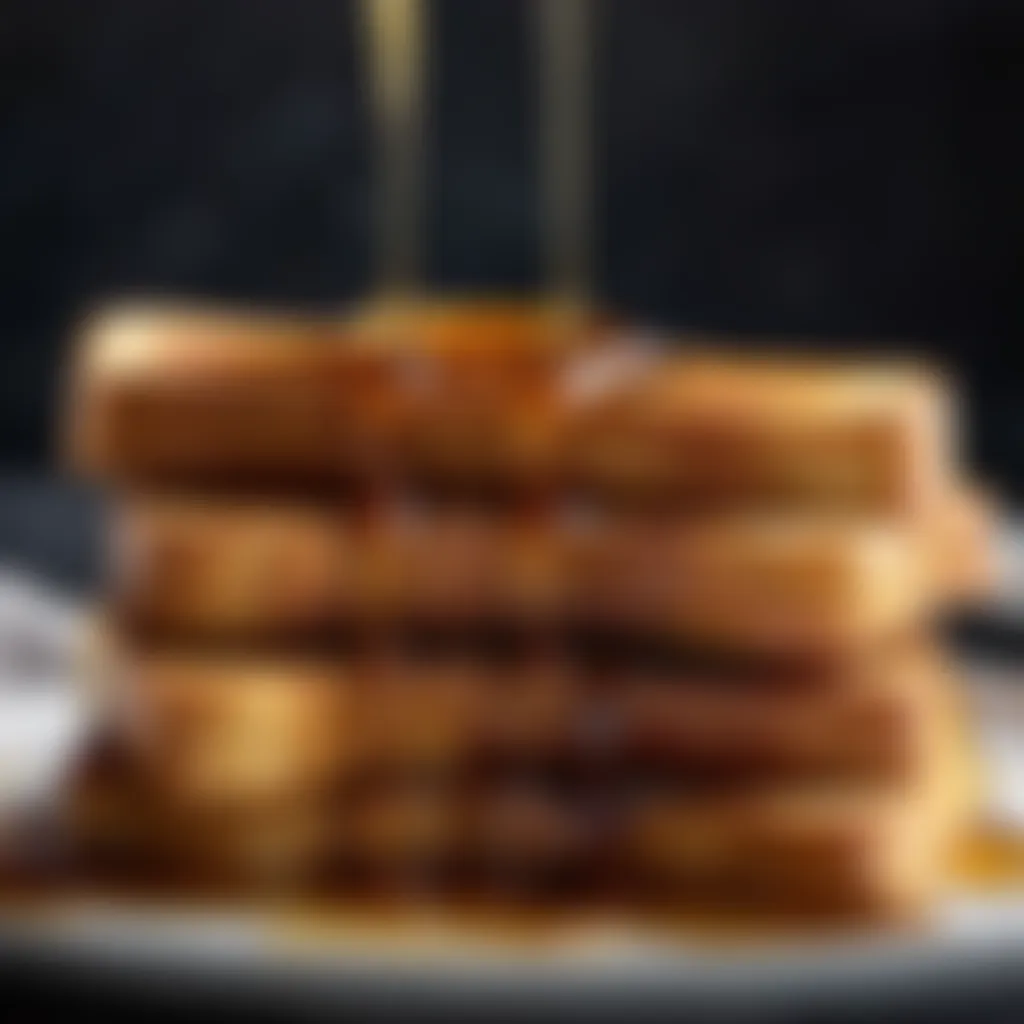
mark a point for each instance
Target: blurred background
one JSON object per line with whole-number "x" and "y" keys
{"x": 847, "y": 169}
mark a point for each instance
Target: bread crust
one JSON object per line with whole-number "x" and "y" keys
{"x": 771, "y": 585}
{"x": 232, "y": 730}
{"x": 722, "y": 431}
{"x": 192, "y": 569}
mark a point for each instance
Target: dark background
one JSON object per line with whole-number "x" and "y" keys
{"x": 841, "y": 168}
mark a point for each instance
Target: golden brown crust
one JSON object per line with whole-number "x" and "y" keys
{"x": 189, "y": 394}
{"x": 723, "y": 431}
{"x": 880, "y": 850}
{"x": 120, "y": 832}
{"x": 189, "y": 568}
{"x": 233, "y": 730}
{"x": 765, "y": 584}
{"x": 194, "y": 569}
{"x": 462, "y": 567}
{"x": 180, "y": 393}
{"x": 878, "y": 722}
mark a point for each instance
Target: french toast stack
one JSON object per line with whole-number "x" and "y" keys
{"x": 491, "y": 602}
